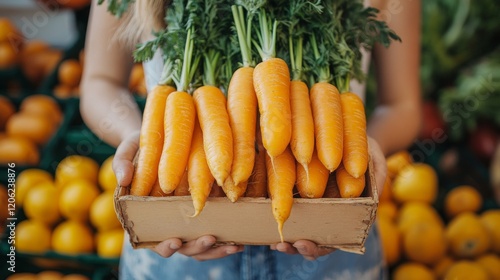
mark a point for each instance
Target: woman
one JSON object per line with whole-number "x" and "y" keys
{"x": 110, "y": 111}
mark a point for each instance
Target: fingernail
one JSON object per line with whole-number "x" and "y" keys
{"x": 301, "y": 249}
{"x": 174, "y": 246}
{"x": 231, "y": 251}
{"x": 207, "y": 243}
{"x": 119, "y": 176}
{"x": 309, "y": 258}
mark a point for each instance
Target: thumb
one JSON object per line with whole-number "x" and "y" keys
{"x": 123, "y": 160}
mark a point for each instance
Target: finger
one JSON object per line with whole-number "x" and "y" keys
{"x": 198, "y": 246}
{"x": 218, "y": 252}
{"x": 286, "y": 248}
{"x": 168, "y": 247}
{"x": 122, "y": 161}
{"x": 310, "y": 250}
{"x": 379, "y": 164}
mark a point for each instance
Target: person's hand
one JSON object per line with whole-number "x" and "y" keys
{"x": 123, "y": 160}
{"x": 201, "y": 249}
{"x": 308, "y": 249}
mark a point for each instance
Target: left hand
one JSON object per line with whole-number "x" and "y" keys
{"x": 308, "y": 249}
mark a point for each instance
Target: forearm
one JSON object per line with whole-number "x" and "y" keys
{"x": 109, "y": 110}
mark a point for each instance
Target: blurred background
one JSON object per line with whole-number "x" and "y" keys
{"x": 455, "y": 161}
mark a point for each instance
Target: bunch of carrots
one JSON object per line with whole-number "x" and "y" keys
{"x": 254, "y": 101}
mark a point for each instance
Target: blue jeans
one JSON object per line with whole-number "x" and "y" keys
{"x": 256, "y": 262}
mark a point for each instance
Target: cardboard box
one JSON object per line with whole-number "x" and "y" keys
{"x": 330, "y": 222}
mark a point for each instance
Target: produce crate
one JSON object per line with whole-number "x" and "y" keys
{"x": 341, "y": 223}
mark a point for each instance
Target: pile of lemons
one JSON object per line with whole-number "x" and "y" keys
{"x": 419, "y": 243}
{"x": 71, "y": 212}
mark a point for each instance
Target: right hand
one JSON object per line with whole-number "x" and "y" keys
{"x": 200, "y": 249}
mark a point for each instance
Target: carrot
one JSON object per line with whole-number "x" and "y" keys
{"x": 242, "y": 104}
{"x": 312, "y": 184}
{"x": 150, "y": 141}
{"x": 281, "y": 177}
{"x": 156, "y": 190}
{"x": 199, "y": 177}
{"x": 180, "y": 114}
{"x": 242, "y": 111}
{"x": 217, "y": 136}
{"x": 272, "y": 85}
{"x": 183, "y": 187}
{"x": 232, "y": 190}
{"x": 355, "y": 159}
{"x": 349, "y": 186}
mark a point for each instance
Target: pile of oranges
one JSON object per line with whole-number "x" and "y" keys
{"x": 25, "y": 131}
{"x": 419, "y": 243}
{"x": 71, "y": 213}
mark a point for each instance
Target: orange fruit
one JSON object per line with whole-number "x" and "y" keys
{"x": 391, "y": 240}
{"x": 102, "y": 212}
{"x": 49, "y": 275}
{"x": 70, "y": 73}
{"x": 34, "y": 127}
{"x": 76, "y": 198}
{"x": 398, "y": 161}
{"x": 7, "y": 109}
{"x": 43, "y": 105}
{"x": 412, "y": 271}
{"x": 467, "y": 236}
{"x": 425, "y": 243}
{"x": 415, "y": 182}
{"x": 490, "y": 263}
{"x": 27, "y": 179}
{"x": 22, "y": 276}
{"x": 76, "y": 167}
{"x": 442, "y": 266}
{"x": 72, "y": 238}
{"x": 412, "y": 213}
{"x": 32, "y": 237}
{"x": 8, "y": 56}
{"x": 9, "y": 33}
{"x": 462, "y": 199}
{"x": 491, "y": 220}
{"x": 19, "y": 150}
{"x": 466, "y": 270}
{"x": 388, "y": 209}
{"x": 386, "y": 194}
{"x": 33, "y": 47}
{"x": 4, "y": 210}
{"x": 41, "y": 203}
{"x": 106, "y": 177}
{"x": 109, "y": 243}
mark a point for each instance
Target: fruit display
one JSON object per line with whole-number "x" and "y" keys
{"x": 458, "y": 240}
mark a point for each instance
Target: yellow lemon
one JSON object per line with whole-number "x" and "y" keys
{"x": 107, "y": 178}
{"x": 109, "y": 243}
{"x": 41, "y": 203}
{"x": 27, "y": 179}
{"x": 32, "y": 237}
{"x": 76, "y": 167}
{"x": 73, "y": 238}
{"x": 102, "y": 212}
{"x": 76, "y": 198}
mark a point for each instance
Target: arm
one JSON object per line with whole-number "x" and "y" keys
{"x": 396, "y": 120}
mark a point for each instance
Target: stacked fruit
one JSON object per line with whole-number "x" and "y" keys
{"x": 72, "y": 213}
{"x": 24, "y": 132}
{"x": 419, "y": 243}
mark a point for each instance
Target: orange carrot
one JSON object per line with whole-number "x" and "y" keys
{"x": 355, "y": 159}
{"x": 156, "y": 190}
{"x": 180, "y": 114}
{"x": 234, "y": 191}
{"x": 312, "y": 184}
{"x": 199, "y": 177}
{"x": 328, "y": 127}
{"x": 242, "y": 111}
{"x": 348, "y": 185}
{"x": 257, "y": 183}
{"x": 183, "y": 187}
{"x": 217, "y": 136}
{"x": 150, "y": 141}
{"x": 302, "y": 142}
{"x": 281, "y": 177}
{"x": 332, "y": 189}
{"x": 271, "y": 80}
